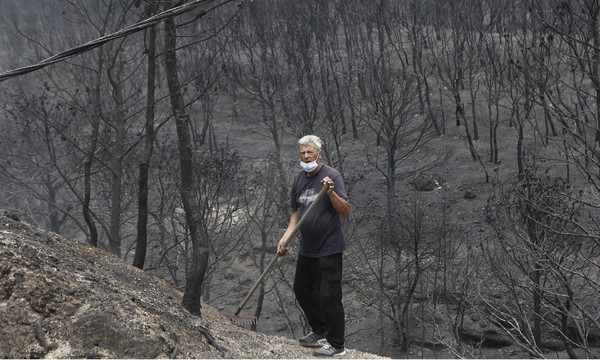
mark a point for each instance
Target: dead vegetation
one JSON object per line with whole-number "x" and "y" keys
{"x": 60, "y": 298}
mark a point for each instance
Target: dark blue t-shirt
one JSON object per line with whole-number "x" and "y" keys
{"x": 321, "y": 232}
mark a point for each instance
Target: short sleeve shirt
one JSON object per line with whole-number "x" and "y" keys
{"x": 321, "y": 233}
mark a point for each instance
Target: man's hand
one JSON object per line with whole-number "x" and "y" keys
{"x": 281, "y": 250}
{"x": 327, "y": 181}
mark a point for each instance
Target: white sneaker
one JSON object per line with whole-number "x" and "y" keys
{"x": 312, "y": 339}
{"x": 328, "y": 350}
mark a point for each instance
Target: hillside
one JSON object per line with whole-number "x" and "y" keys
{"x": 60, "y": 298}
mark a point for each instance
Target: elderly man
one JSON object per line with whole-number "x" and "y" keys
{"x": 318, "y": 280}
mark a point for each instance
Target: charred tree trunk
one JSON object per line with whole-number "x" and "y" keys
{"x": 114, "y": 238}
{"x": 91, "y": 154}
{"x": 200, "y": 246}
{"x": 142, "y": 225}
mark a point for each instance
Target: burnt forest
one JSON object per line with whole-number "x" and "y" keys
{"x": 150, "y": 144}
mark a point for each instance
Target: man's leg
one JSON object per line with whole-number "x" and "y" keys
{"x": 306, "y": 285}
{"x": 330, "y": 298}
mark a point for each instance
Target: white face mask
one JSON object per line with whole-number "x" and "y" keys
{"x": 309, "y": 167}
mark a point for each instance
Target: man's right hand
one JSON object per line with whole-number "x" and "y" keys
{"x": 281, "y": 250}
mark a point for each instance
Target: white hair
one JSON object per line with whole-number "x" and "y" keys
{"x": 308, "y": 139}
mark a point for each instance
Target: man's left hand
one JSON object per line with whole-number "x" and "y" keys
{"x": 327, "y": 181}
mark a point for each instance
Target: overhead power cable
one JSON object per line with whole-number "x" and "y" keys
{"x": 178, "y": 10}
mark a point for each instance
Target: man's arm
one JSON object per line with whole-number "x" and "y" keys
{"x": 342, "y": 206}
{"x": 281, "y": 250}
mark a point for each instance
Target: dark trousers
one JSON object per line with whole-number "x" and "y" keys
{"x": 318, "y": 289}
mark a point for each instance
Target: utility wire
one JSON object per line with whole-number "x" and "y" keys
{"x": 178, "y": 10}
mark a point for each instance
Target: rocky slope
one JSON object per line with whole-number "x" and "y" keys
{"x": 60, "y": 298}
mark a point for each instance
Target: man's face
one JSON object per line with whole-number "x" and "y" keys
{"x": 308, "y": 153}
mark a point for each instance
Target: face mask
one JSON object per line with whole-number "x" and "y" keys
{"x": 309, "y": 167}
